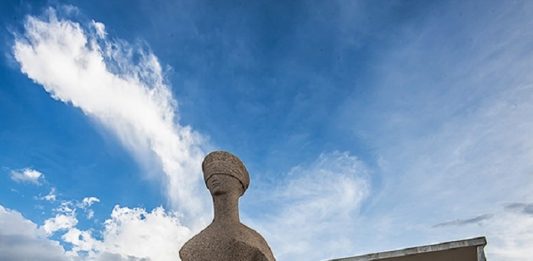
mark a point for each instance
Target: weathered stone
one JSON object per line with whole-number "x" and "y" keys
{"x": 226, "y": 238}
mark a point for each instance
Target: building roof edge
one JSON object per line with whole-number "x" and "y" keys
{"x": 472, "y": 242}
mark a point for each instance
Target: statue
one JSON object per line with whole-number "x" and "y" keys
{"x": 226, "y": 238}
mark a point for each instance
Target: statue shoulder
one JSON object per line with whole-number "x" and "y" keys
{"x": 193, "y": 246}
{"x": 252, "y": 233}
{"x": 245, "y": 243}
{"x": 257, "y": 241}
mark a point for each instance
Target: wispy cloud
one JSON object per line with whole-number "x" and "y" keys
{"x": 122, "y": 87}
{"x": 452, "y": 126}
{"x": 27, "y": 175}
{"x": 462, "y": 222}
{"x": 521, "y": 207}
{"x": 51, "y": 196}
{"x": 316, "y": 205}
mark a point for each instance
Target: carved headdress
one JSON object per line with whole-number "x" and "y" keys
{"x": 225, "y": 163}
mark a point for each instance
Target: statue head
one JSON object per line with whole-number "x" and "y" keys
{"x": 226, "y": 238}
{"x": 224, "y": 172}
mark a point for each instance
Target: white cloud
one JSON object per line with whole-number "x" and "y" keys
{"x": 130, "y": 99}
{"x": 135, "y": 234}
{"x": 128, "y": 234}
{"x": 59, "y": 222}
{"x": 317, "y": 205}
{"x": 89, "y": 214}
{"x": 157, "y": 234}
{"x": 89, "y": 201}
{"x": 82, "y": 241}
{"x": 67, "y": 207}
{"x": 51, "y": 196}
{"x": 27, "y": 175}
{"x": 510, "y": 237}
{"x": 100, "y": 29}
{"x": 21, "y": 239}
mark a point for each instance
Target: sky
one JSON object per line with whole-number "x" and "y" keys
{"x": 366, "y": 126}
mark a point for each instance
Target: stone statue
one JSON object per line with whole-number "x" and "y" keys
{"x": 226, "y": 238}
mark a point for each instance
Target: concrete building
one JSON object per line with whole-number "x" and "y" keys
{"x": 461, "y": 250}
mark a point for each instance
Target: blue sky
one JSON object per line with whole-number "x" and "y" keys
{"x": 366, "y": 126}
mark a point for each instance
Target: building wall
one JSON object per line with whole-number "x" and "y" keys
{"x": 458, "y": 254}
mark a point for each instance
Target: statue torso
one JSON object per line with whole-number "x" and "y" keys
{"x": 226, "y": 243}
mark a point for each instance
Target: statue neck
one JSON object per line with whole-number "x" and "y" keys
{"x": 226, "y": 209}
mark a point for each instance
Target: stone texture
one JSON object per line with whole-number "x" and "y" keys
{"x": 221, "y": 162}
{"x": 226, "y": 238}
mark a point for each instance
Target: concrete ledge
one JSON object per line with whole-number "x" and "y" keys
{"x": 473, "y": 242}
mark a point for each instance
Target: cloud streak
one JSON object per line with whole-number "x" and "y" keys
{"x": 521, "y": 207}
{"x": 315, "y": 205}
{"x": 122, "y": 87}
{"x": 463, "y": 222}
